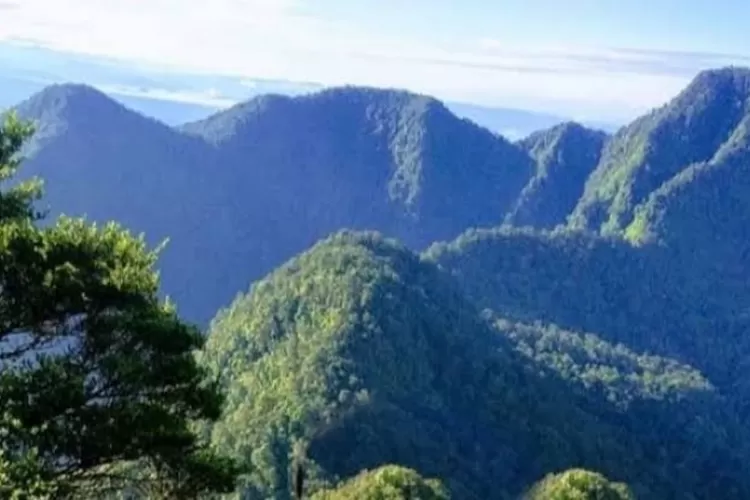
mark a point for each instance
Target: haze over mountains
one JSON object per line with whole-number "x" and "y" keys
{"x": 349, "y": 157}
{"x": 176, "y": 98}
{"x": 585, "y": 295}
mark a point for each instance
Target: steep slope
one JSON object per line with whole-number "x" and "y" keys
{"x": 363, "y": 355}
{"x": 101, "y": 160}
{"x": 643, "y": 297}
{"x": 565, "y": 156}
{"x": 641, "y": 157}
{"x": 367, "y": 158}
{"x": 702, "y": 213}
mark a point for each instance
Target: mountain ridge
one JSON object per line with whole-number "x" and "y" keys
{"x": 565, "y": 155}
{"x": 654, "y": 148}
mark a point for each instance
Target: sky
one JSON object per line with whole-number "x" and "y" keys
{"x": 589, "y": 59}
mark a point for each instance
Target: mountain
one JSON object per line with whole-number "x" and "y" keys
{"x": 263, "y": 180}
{"x": 101, "y": 160}
{"x": 641, "y": 297}
{"x": 249, "y": 187}
{"x": 565, "y": 156}
{"x": 641, "y": 157}
{"x": 360, "y": 354}
{"x": 679, "y": 178}
{"x": 297, "y": 169}
{"x": 367, "y": 158}
{"x": 701, "y": 213}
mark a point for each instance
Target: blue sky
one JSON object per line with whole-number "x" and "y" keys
{"x": 589, "y": 59}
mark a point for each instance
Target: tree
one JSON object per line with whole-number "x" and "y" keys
{"x": 97, "y": 374}
{"x": 578, "y": 484}
{"x": 389, "y": 482}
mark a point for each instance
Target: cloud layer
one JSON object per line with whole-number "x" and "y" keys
{"x": 287, "y": 39}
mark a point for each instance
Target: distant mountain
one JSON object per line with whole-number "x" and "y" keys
{"x": 565, "y": 155}
{"x": 101, "y": 160}
{"x": 270, "y": 177}
{"x": 641, "y": 157}
{"x": 176, "y": 99}
{"x": 171, "y": 97}
{"x": 368, "y": 158}
{"x": 361, "y": 354}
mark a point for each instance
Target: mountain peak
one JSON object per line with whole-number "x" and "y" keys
{"x": 729, "y": 85}
{"x": 565, "y": 156}
{"x": 62, "y": 96}
{"x": 690, "y": 129}
{"x": 736, "y": 75}
{"x": 567, "y": 130}
{"x": 393, "y": 147}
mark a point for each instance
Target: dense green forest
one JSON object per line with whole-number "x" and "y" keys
{"x": 422, "y": 309}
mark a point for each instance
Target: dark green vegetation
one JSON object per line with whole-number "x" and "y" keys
{"x": 97, "y": 376}
{"x": 609, "y": 334}
{"x": 565, "y": 156}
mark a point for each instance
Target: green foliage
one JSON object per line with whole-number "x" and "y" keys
{"x": 16, "y": 203}
{"x": 565, "y": 155}
{"x": 365, "y": 355}
{"x": 578, "y": 484}
{"x": 386, "y": 483}
{"x": 95, "y": 369}
{"x": 621, "y": 376}
{"x": 700, "y": 214}
{"x": 657, "y": 147}
{"x": 642, "y": 297}
{"x": 636, "y": 297}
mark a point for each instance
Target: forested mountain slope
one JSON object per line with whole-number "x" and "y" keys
{"x": 367, "y": 159}
{"x": 252, "y": 186}
{"x": 565, "y": 156}
{"x": 641, "y": 157}
{"x": 101, "y": 160}
{"x": 361, "y": 354}
{"x": 703, "y": 213}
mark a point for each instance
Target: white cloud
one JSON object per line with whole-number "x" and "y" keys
{"x": 197, "y": 34}
{"x": 281, "y": 39}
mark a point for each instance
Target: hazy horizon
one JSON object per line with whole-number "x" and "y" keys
{"x": 589, "y": 61}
